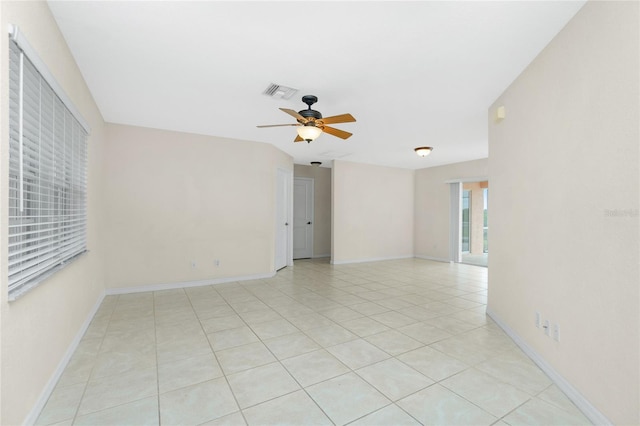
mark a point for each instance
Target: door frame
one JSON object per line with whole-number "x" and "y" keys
{"x": 455, "y": 215}
{"x": 455, "y": 222}
{"x": 311, "y": 213}
{"x": 288, "y": 208}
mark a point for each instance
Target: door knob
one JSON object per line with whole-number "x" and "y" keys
{"x": 286, "y": 224}
{"x": 308, "y": 223}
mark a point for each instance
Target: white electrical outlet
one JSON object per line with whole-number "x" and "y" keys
{"x": 556, "y": 332}
{"x": 538, "y": 319}
{"x": 216, "y": 262}
{"x": 193, "y": 264}
{"x": 546, "y": 327}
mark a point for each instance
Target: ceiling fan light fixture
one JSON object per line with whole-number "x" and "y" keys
{"x": 309, "y": 132}
{"x": 423, "y": 151}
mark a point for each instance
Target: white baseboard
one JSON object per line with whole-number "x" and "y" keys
{"x": 375, "y": 259}
{"x": 184, "y": 284}
{"x": 57, "y": 373}
{"x": 379, "y": 259}
{"x": 436, "y": 259}
{"x": 315, "y": 256}
{"x": 583, "y": 404}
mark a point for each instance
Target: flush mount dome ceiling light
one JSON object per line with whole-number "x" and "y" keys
{"x": 423, "y": 151}
{"x": 316, "y": 163}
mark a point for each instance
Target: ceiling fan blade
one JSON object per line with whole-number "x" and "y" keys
{"x": 278, "y": 125}
{"x": 295, "y": 115}
{"x": 298, "y": 139}
{"x": 336, "y": 132}
{"x": 343, "y": 118}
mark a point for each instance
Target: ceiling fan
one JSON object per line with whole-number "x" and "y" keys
{"x": 311, "y": 124}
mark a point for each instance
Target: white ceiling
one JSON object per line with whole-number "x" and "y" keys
{"x": 412, "y": 73}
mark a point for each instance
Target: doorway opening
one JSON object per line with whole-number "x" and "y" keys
{"x": 303, "y": 194}
{"x": 474, "y": 207}
{"x": 311, "y": 211}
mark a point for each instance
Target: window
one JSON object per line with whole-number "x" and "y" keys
{"x": 47, "y": 173}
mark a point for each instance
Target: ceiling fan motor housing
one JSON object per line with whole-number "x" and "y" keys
{"x": 310, "y": 113}
{"x": 309, "y": 100}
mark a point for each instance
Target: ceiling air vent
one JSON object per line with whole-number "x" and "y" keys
{"x": 279, "y": 92}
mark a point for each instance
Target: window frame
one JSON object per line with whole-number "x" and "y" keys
{"x": 47, "y": 172}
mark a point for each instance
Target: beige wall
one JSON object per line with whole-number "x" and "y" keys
{"x": 432, "y": 202}
{"x": 372, "y": 212}
{"x": 321, "y": 206}
{"x": 570, "y": 141}
{"x": 173, "y": 198}
{"x": 37, "y": 329}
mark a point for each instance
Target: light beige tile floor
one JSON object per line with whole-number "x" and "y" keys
{"x": 385, "y": 343}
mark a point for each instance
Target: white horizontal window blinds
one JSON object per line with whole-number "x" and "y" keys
{"x": 47, "y": 178}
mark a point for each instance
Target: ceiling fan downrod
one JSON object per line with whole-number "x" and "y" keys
{"x": 310, "y": 113}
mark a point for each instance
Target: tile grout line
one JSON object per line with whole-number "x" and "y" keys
{"x": 155, "y": 336}
{"x": 501, "y": 418}
{"x": 86, "y": 385}
{"x": 498, "y": 418}
{"x": 424, "y": 345}
{"x": 285, "y": 369}
{"x": 303, "y": 388}
{"x": 355, "y": 371}
{"x": 226, "y": 379}
{"x": 285, "y": 287}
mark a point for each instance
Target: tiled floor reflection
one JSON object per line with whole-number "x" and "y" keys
{"x": 385, "y": 343}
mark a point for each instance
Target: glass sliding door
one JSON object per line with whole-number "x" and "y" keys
{"x": 466, "y": 224}
{"x": 485, "y": 232}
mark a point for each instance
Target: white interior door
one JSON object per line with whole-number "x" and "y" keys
{"x": 283, "y": 206}
{"x": 302, "y": 218}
